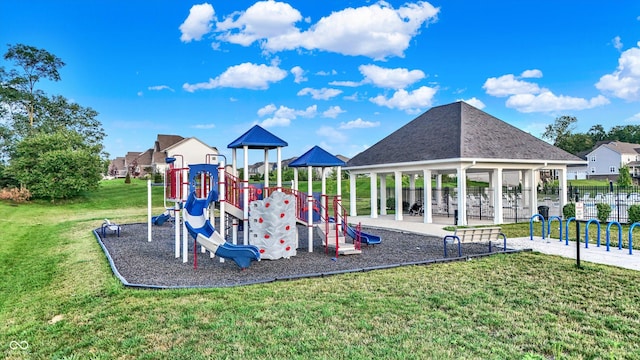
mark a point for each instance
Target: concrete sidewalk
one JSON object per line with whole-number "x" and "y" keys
{"x": 594, "y": 254}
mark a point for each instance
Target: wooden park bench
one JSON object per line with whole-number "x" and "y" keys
{"x": 474, "y": 235}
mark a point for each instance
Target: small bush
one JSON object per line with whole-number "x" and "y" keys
{"x": 634, "y": 214}
{"x": 569, "y": 210}
{"x": 604, "y": 210}
{"x": 16, "y": 195}
{"x": 127, "y": 179}
{"x": 157, "y": 178}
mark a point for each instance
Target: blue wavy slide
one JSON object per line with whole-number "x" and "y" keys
{"x": 206, "y": 235}
{"x": 365, "y": 238}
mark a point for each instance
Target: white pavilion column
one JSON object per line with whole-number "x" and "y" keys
{"x": 438, "y": 191}
{"x": 245, "y": 197}
{"x": 353, "y": 208}
{"x": 279, "y": 167}
{"x": 323, "y": 195}
{"x": 234, "y": 162}
{"x": 310, "y": 207}
{"x": 374, "y": 195}
{"x": 295, "y": 179}
{"x": 383, "y": 194}
{"x": 426, "y": 198}
{"x": 498, "y": 214}
{"x": 412, "y": 189}
{"x": 266, "y": 169}
{"x": 398, "y": 188}
{"x": 462, "y": 196}
{"x": 532, "y": 198}
{"x": 339, "y": 196}
{"x": 562, "y": 180}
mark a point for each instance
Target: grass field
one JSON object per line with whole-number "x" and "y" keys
{"x": 58, "y": 299}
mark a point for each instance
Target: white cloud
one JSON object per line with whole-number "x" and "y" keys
{"x": 275, "y": 121}
{"x": 140, "y": 93}
{"x": 326, "y": 73}
{"x": 624, "y": 82}
{"x": 350, "y": 31}
{"x": 283, "y": 115}
{"x": 533, "y": 73}
{"x": 332, "y": 135}
{"x": 270, "y": 20}
{"x": 160, "y": 87}
{"x": 204, "y": 126}
{"x": 548, "y": 101}
{"x": 526, "y": 96}
{"x": 634, "y": 118}
{"x": 617, "y": 43}
{"x": 320, "y": 94}
{"x": 298, "y": 73}
{"x": 358, "y": 124}
{"x": 507, "y": 85}
{"x": 475, "y": 102}
{"x": 333, "y": 112}
{"x": 346, "y": 83}
{"x": 245, "y": 76}
{"x": 266, "y": 110}
{"x": 198, "y": 23}
{"x": 408, "y": 101}
{"x": 398, "y": 78}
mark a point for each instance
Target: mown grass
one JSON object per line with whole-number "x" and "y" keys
{"x": 58, "y": 295}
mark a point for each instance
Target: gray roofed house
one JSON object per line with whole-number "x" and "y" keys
{"x": 459, "y": 139}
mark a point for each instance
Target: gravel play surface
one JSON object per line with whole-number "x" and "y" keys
{"x": 152, "y": 264}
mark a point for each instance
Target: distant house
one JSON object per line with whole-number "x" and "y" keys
{"x": 604, "y": 161}
{"x": 185, "y": 150}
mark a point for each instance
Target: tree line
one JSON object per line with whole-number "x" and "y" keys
{"x": 561, "y": 134}
{"x": 49, "y": 146}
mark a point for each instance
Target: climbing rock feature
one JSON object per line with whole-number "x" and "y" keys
{"x": 272, "y": 226}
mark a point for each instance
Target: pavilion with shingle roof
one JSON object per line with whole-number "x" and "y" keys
{"x": 457, "y": 139}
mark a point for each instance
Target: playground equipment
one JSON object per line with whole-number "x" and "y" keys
{"x": 203, "y": 232}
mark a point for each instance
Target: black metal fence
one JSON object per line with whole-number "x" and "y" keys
{"x": 516, "y": 205}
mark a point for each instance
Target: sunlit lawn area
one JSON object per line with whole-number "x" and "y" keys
{"x": 59, "y": 299}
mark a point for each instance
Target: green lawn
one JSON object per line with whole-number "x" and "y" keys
{"x": 58, "y": 299}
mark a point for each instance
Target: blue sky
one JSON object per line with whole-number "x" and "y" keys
{"x": 338, "y": 74}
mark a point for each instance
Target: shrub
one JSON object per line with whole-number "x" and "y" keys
{"x": 634, "y": 214}
{"x": 569, "y": 210}
{"x": 604, "y": 210}
{"x": 127, "y": 179}
{"x": 16, "y": 195}
{"x": 157, "y": 178}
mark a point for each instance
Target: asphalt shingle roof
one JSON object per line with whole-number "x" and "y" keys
{"x": 454, "y": 131}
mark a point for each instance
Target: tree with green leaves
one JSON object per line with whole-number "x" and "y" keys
{"x": 560, "y": 130}
{"x": 624, "y": 177}
{"x": 57, "y": 165}
{"x": 32, "y": 65}
{"x": 52, "y": 146}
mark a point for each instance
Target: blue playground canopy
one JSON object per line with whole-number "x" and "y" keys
{"x": 257, "y": 138}
{"x": 317, "y": 157}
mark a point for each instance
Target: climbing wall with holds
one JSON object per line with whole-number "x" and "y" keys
{"x": 272, "y": 226}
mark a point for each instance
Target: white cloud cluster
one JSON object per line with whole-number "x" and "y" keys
{"x": 377, "y": 31}
{"x": 332, "y": 135}
{"x": 411, "y": 102}
{"x": 624, "y": 82}
{"x": 198, "y": 23}
{"x": 475, "y": 102}
{"x": 246, "y": 76}
{"x": 333, "y": 112}
{"x": 320, "y": 94}
{"x": 160, "y": 87}
{"x": 282, "y": 116}
{"x": 358, "y": 124}
{"x": 298, "y": 74}
{"x": 527, "y": 97}
{"x": 398, "y": 78}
